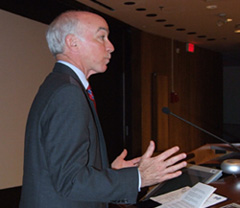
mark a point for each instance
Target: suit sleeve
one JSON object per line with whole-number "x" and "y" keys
{"x": 68, "y": 143}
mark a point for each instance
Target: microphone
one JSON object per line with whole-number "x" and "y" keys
{"x": 167, "y": 111}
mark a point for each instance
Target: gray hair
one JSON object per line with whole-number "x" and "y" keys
{"x": 57, "y": 31}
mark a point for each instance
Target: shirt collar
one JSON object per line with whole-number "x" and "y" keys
{"x": 78, "y": 72}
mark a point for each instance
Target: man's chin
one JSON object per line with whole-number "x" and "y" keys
{"x": 99, "y": 71}
{"x": 103, "y": 69}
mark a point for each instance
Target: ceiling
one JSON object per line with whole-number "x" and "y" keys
{"x": 182, "y": 20}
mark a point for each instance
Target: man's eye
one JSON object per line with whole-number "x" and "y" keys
{"x": 102, "y": 37}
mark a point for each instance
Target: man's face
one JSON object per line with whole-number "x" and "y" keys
{"x": 95, "y": 47}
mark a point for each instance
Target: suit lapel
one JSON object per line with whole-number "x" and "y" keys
{"x": 61, "y": 68}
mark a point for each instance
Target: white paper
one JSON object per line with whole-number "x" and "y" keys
{"x": 199, "y": 196}
{"x": 214, "y": 199}
{"x": 171, "y": 196}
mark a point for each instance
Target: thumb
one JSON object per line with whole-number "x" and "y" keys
{"x": 149, "y": 150}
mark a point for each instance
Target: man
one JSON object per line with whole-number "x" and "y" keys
{"x": 65, "y": 162}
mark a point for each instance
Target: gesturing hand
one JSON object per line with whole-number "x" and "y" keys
{"x": 160, "y": 168}
{"x": 119, "y": 162}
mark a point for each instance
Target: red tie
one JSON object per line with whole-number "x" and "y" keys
{"x": 91, "y": 96}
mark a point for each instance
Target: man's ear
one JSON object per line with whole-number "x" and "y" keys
{"x": 71, "y": 42}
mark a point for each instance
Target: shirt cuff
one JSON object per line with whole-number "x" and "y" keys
{"x": 139, "y": 181}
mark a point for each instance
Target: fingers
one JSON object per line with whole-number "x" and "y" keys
{"x": 168, "y": 153}
{"x": 123, "y": 154}
{"x": 163, "y": 167}
{"x": 172, "y": 165}
{"x": 176, "y": 167}
{"x": 149, "y": 150}
{"x": 174, "y": 171}
{"x": 175, "y": 159}
{"x": 171, "y": 175}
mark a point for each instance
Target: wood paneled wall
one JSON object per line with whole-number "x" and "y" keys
{"x": 197, "y": 80}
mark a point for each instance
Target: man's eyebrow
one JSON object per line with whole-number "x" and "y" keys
{"x": 103, "y": 28}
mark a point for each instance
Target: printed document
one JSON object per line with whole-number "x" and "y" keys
{"x": 199, "y": 196}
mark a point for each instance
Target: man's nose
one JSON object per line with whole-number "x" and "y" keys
{"x": 110, "y": 47}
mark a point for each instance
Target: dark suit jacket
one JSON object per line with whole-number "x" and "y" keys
{"x": 65, "y": 158}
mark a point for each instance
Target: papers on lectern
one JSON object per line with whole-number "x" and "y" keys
{"x": 199, "y": 196}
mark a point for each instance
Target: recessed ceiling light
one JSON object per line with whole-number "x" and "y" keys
{"x": 180, "y": 29}
{"x": 237, "y": 29}
{"x": 161, "y": 7}
{"x": 168, "y": 25}
{"x": 129, "y": 3}
{"x": 202, "y": 36}
{"x": 222, "y": 15}
{"x": 141, "y": 9}
{"x": 229, "y": 20}
{"x": 161, "y": 20}
{"x": 191, "y": 33}
{"x": 211, "y": 39}
{"x": 213, "y": 6}
{"x": 151, "y": 15}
